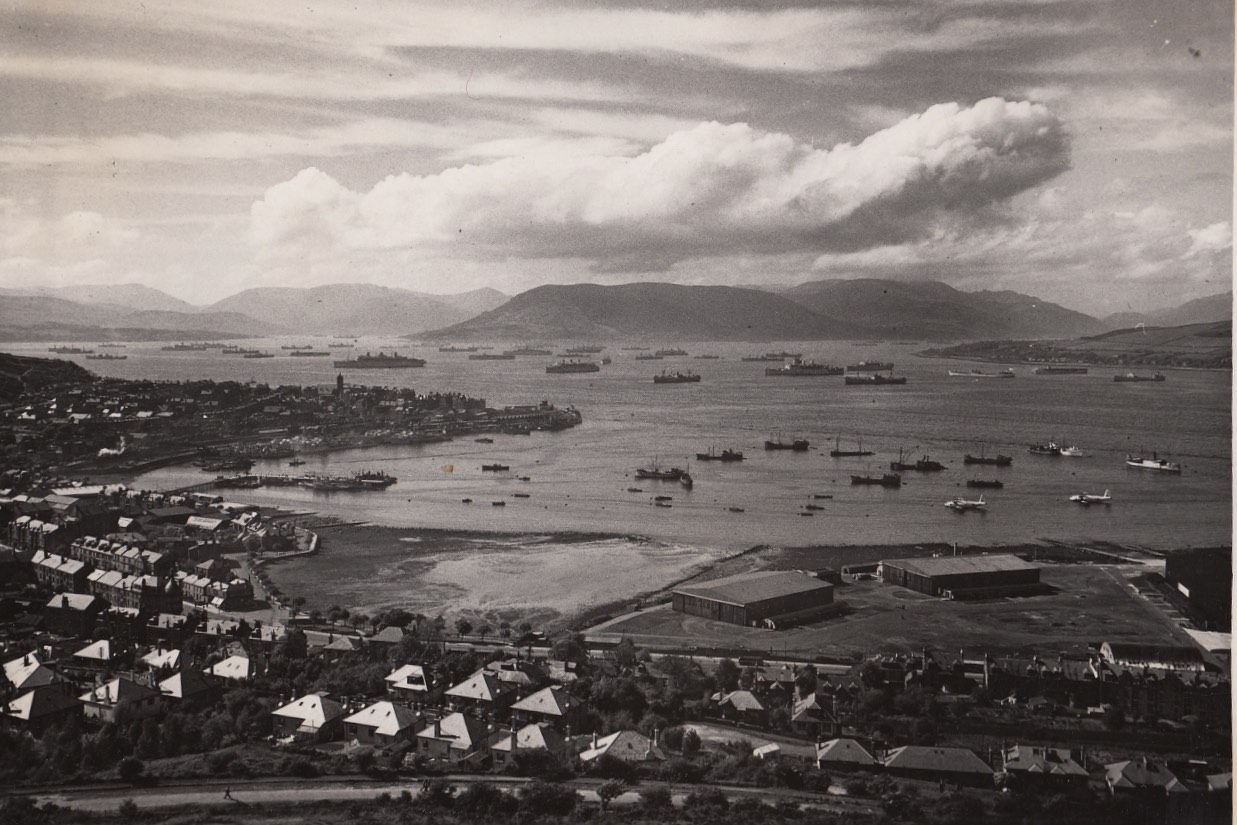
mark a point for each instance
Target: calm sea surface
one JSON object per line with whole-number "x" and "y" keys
{"x": 579, "y": 478}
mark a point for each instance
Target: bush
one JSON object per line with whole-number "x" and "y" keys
{"x": 240, "y": 769}
{"x": 707, "y": 800}
{"x": 302, "y": 768}
{"x": 540, "y": 797}
{"x": 436, "y": 794}
{"x": 656, "y": 799}
{"x": 482, "y": 800}
{"x": 610, "y": 790}
{"x": 673, "y": 738}
{"x": 127, "y": 809}
{"x": 219, "y": 761}
{"x": 131, "y": 770}
{"x": 691, "y": 742}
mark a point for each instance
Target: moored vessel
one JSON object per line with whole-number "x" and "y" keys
{"x": 1060, "y": 370}
{"x": 885, "y": 480}
{"x": 801, "y": 367}
{"x": 1130, "y": 377}
{"x": 870, "y": 366}
{"x": 874, "y": 379}
{"x": 724, "y": 455}
{"x": 380, "y": 361}
{"x": 688, "y": 377}
{"x": 1153, "y": 463}
{"x": 569, "y": 366}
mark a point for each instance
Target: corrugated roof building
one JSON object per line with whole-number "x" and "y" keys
{"x": 752, "y": 599}
{"x": 961, "y": 576}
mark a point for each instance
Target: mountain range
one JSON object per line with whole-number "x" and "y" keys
{"x": 44, "y": 318}
{"x": 1199, "y": 311}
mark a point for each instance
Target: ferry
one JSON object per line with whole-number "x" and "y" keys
{"x": 870, "y": 366}
{"x": 677, "y": 378}
{"x": 1153, "y": 463}
{"x": 1006, "y": 373}
{"x": 874, "y": 379}
{"x": 1132, "y": 377}
{"x": 380, "y": 361}
{"x": 564, "y": 366}
{"x": 800, "y": 367}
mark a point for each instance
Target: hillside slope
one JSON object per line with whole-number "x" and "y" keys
{"x": 39, "y": 318}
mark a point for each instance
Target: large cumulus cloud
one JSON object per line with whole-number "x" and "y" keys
{"x": 707, "y": 190}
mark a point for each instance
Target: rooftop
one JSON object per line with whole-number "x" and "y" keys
{"x": 755, "y": 587}
{"x": 959, "y": 565}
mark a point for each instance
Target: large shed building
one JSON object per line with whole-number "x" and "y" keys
{"x": 1204, "y": 576}
{"x": 767, "y": 597}
{"x": 960, "y": 577}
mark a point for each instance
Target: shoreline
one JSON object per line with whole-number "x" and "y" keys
{"x": 1016, "y": 363}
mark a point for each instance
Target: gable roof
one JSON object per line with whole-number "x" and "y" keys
{"x": 537, "y": 736}
{"x": 462, "y": 732}
{"x": 481, "y": 686}
{"x": 1142, "y": 773}
{"x": 162, "y": 658}
{"x": 408, "y": 676}
{"x": 119, "y": 691}
{"x": 389, "y": 635}
{"x": 28, "y": 672}
{"x": 627, "y": 745}
{"x": 386, "y": 718}
{"x": 961, "y": 565}
{"x": 313, "y": 711}
{"x": 549, "y": 701}
{"x": 187, "y": 684}
{"x": 746, "y": 588}
{"x": 1048, "y": 761}
{"x": 946, "y": 760}
{"x": 233, "y": 667}
{"x": 742, "y": 700}
{"x": 844, "y": 752}
{"x": 42, "y": 701}
{"x": 100, "y": 651}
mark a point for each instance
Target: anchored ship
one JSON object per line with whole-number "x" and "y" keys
{"x": 1153, "y": 463}
{"x": 380, "y": 361}
{"x": 870, "y": 366}
{"x": 1060, "y": 370}
{"x": 688, "y": 377}
{"x": 801, "y": 367}
{"x": 1132, "y": 377}
{"x": 569, "y": 366}
{"x": 875, "y": 379}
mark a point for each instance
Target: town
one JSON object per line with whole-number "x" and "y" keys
{"x": 147, "y": 646}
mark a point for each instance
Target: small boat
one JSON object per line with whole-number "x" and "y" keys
{"x": 484, "y": 440}
{"x": 812, "y": 507}
{"x": 635, "y": 489}
{"x": 838, "y": 452}
{"x": 498, "y": 504}
{"x": 662, "y": 504}
{"x": 662, "y": 498}
{"x": 985, "y": 484}
{"x": 886, "y": 480}
{"x": 686, "y": 479}
{"x": 1073, "y": 452}
{"x": 1132, "y": 377}
{"x": 525, "y": 478}
{"x": 822, "y": 495}
{"x": 735, "y": 509}
{"x": 466, "y": 500}
{"x": 1153, "y": 463}
{"x": 494, "y": 468}
{"x": 605, "y": 359}
{"x": 519, "y": 495}
{"x": 296, "y": 462}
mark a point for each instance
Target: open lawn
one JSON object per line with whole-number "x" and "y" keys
{"x": 1091, "y": 603}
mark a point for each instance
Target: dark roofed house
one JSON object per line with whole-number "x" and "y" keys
{"x": 1032, "y": 766}
{"x": 767, "y": 597}
{"x": 1142, "y": 777}
{"x": 844, "y": 754}
{"x": 73, "y": 614}
{"x": 39, "y": 708}
{"x": 954, "y": 765}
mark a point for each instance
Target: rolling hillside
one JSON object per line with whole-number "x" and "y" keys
{"x": 40, "y": 318}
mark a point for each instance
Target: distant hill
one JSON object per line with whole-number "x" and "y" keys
{"x": 649, "y": 311}
{"x": 1199, "y": 311}
{"x": 41, "y": 318}
{"x": 128, "y": 296}
{"x": 931, "y": 310}
{"x": 1191, "y": 345}
{"x": 19, "y": 373}
{"x": 356, "y": 309}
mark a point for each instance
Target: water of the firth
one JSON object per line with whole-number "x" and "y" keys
{"x": 580, "y": 477}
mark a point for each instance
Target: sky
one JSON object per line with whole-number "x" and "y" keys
{"x": 1078, "y": 151}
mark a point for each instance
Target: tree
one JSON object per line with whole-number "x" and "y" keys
{"x": 549, "y": 798}
{"x": 484, "y": 631}
{"x": 727, "y": 675}
{"x": 610, "y": 790}
{"x": 131, "y": 770}
{"x": 1114, "y": 717}
{"x": 691, "y": 742}
{"x": 463, "y": 626}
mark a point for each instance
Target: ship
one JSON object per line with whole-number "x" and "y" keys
{"x": 776, "y": 358}
{"x": 995, "y": 461}
{"x": 798, "y": 445}
{"x": 984, "y": 484}
{"x": 457, "y": 349}
{"x": 706, "y": 357}
{"x": 1073, "y": 452}
{"x": 658, "y": 473}
{"x": 308, "y": 353}
{"x": 587, "y": 349}
{"x": 1051, "y": 448}
{"x": 297, "y": 346}
{"x": 105, "y": 356}
{"x": 340, "y": 345}
{"x": 875, "y": 379}
{"x": 491, "y": 356}
{"x": 838, "y": 452}
{"x": 528, "y": 351}
{"x": 112, "y": 346}
{"x": 69, "y": 350}
{"x": 605, "y": 359}
{"x": 1060, "y": 371}
{"x": 258, "y": 355}
{"x": 1006, "y": 373}
{"x": 724, "y": 455}
{"x": 1153, "y": 463}
{"x": 686, "y": 480}
{"x": 381, "y": 361}
{"x": 565, "y": 366}
{"x": 243, "y": 482}
{"x": 1132, "y": 377}
{"x": 494, "y": 468}
{"x": 296, "y": 462}
{"x": 923, "y": 465}
{"x": 649, "y": 357}
{"x": 783, "y": 355}
{"x": 886, "y": 480}
{"x": 225, "y": 465}
{"x": 670, "y": 352}
{"x": 688, "y": 377}
{"x": 374, "y": 478}
{"x": 183, "y": 347}
{"x": 870, "y": 366}
{"x": 801, "y": 367}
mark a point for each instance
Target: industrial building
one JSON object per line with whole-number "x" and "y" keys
{"x": 961, "y": 577}
{"x": 771, "y": 598}
{"x": 1204, "y": 576}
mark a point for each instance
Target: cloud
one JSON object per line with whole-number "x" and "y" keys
{"x": 711, "y": 188}
{"x": 1210, "y": 239}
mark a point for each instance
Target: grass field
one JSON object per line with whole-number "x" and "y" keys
{"x": 1091, "y": 604}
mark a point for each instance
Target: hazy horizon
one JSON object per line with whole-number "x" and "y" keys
{"x": 1079, "y": 152}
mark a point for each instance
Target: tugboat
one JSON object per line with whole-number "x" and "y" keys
{"x": 688, "y": 377}
{"x": 997, "y": 461}
{"x": 1153, "y": 463}
{"x": 886, "y": 480}
{"x": 724, "y": 455}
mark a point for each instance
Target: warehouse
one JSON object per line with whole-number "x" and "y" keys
{"x": 961, "y": 577}
{"x": 1204, "y": 577}
{"x": 770, "y": 598}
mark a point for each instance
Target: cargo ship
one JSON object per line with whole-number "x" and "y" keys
{"x": 923, "y": 465}
{"x": 874, "y": 379}
{"x": 677, "y": 378}
{"x": 649, "y": 357}
{"x": 457, "y": 349}
{"x": 1153, "y": 463}
{"x": 886, "y": 480}
{"x": 995, "y": 461}
{"x": 258, "y": 355}
{"x": 528, "y": 351}
{"x": 183, "y": 347}
{"x": 985, "y": 484}
{"x": 565, "y": 366}
{"x": 296, "y": 346}
{"x": 800, "y": 367}
{"x": 871, "y": 366}
{"x": 761, "y": 358}
{"x": 1051, "y": 448}
{"x": 1060, "y": 371}
{"x": 1132, "y": 377}
{"x": 658, "y": 474}
{"x": 1007, "y": 373}
{"x": 798, "y": 445}
{"x": 838, "y": 452}
{"x": 491, "y": 356}
{"x": 587, "y": 349}
{"x": 783, "y": 355}
{"x": 381, "y": 361}
{"x": 724, "y": 455}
